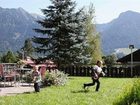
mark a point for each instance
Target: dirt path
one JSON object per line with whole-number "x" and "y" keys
{"x": 7, "y": 91}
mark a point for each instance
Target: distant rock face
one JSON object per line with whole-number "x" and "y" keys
{"x": 121, "y": 32}
{"x": 16, "y": 25}
{"x": 120, "y": 52}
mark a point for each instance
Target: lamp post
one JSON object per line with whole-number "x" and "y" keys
{"x": 131, "y": 47}
{"x": 23, "y": 54}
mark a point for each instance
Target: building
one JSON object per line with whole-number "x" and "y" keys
{"x": 131, "y": 61}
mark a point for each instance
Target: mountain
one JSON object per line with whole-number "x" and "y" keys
{"x": 120, "y": 32}
{"x": 16, "y": 25}
{"x": 121, "y": 52}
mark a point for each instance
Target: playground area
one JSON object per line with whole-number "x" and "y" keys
{"x": 16, "y": 79}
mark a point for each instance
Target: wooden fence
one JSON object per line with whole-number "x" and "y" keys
{"x": 110, "y": 71}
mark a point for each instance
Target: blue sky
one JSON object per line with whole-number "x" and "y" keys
{"x": 105, "y": 10}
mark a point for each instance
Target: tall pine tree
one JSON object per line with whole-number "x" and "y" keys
{"x": 9, "y": 57}
{"x": 63, "y": 33}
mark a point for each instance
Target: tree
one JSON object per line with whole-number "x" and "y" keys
{"x": 93, "y": 49}
{"x": 27, "y": 48}
{"x": 63, "y": 32}
{"x": 9, "y": 58}
{"x": 110, "y": 60}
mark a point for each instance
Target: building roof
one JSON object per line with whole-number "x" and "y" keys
{"x": 127, "y": 58}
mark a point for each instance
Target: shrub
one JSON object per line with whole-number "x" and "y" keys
{"x": 131, "y": 95}
{"x": 27, "y": 77}
{"x": 55, "y": 77}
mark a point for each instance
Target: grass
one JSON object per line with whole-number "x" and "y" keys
{"x": 131, "y": 95}
{"x": 72, "y": 93}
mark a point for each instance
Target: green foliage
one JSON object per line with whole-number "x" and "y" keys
{"x": 71, "y": 94}
{"x": 93, "y": 49}
{"x": 28, "y": 48}
{"x": 97, "y": 53}
{"x": 9, "y": 58}
{"x": 62, "y": 31}
{"x": 55, "y": 77}
{"x": 110, "y": 60}
{"x": 27, "y": 77}
{"x": 131, "y": 95}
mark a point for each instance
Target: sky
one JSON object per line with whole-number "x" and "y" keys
{"x": 105, "y": 10}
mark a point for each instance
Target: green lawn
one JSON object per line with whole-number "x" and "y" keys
{"x": 72, "y": 93}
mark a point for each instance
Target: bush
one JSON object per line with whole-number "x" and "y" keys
{"x": 131, "y": 95}
{"x": 27, "y": 77}
{"x": 55, "y": 77}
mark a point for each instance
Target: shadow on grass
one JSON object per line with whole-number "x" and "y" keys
{"x": 19, "y": 93}
{"x": 31, "y": 92}
{"x": 71, "y": 78}
{"x": 28, "y": 92}
{"x": 80, "y": 91}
